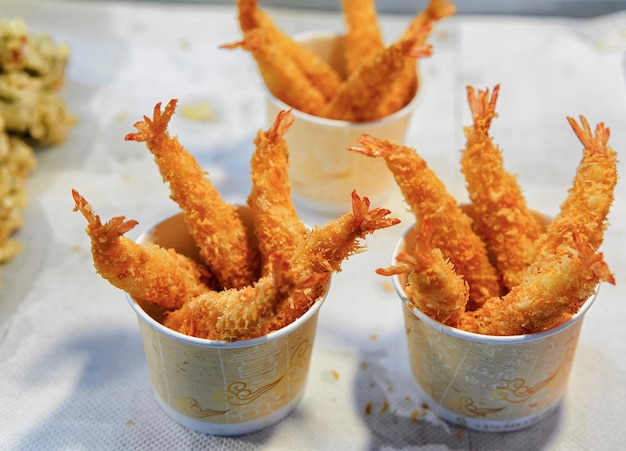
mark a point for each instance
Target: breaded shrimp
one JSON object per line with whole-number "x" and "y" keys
{"x": 553, "y": 291}
{"x": 429, "y": 199}
{"x": 326, "y": 247}
{"x": 404, "y": 87}
{"x": 224, "y": 244}
{"x": 277, "y": 225}
{"x": 249, "y": 14}
{"x": 319, "y": 73}
{"x": 432, "y": 284}
{"x": 436, "y": 10}
{"x": 282, "y": 76}
{"x": 590, "y": 198}
{"x": 227, "y": 315}
{"x": 363, "y": 36}
{"x": 358, "y": 97}
{"x": 148, "y": 273}
{"x": 502, "y": 217}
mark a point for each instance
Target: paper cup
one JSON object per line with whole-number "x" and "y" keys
{"x": 323, "y": 173}
{"x": 483, "y": 382}
{"x": 216, "y": 387}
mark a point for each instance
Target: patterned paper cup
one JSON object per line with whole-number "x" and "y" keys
{"x": 483, "y": 382}
{"x": 223, "y": 388}
{"x": 323, "y": 173}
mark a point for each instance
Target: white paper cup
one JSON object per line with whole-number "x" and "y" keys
{"x": 223, "y": 388}
{"x": 323, "y": 173}
{"x": 483, "y": 382}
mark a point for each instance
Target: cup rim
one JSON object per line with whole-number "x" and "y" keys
{"x": 336, "y": 123}
{"x": 472, "y": 336}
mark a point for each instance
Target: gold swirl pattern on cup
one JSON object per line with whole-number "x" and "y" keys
{"x": 469, "y": 408}
{"x": 517, "y": 390}
{"x": 192, "y": 408}
{"x": 239, "y": 394}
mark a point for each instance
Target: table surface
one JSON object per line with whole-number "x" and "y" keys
{"x": 72, "y": 364}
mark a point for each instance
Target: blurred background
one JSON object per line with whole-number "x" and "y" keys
{"x": 569, "y": 8}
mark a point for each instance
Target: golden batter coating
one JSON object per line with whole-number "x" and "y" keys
{"x": 325, "y": 248}
{"x": 432, "y": 284}
{"x": 586, "y": 208}
{"x": 224, "y": 243}
{"x": 230, "y": 314}
{"x": 277, "y": 225}
{"x": 372, "y": 80}
{"x": 148, "y": 272}
{"x": 501, "y": 215}
{"x": 363, "y": 37}
{"x": 553, "y": 291}
{"x": 358, "y": 97}
{"x": 403, "y": 89}
{"x": 282, "y": 76}
{"x": 319, "y": 73}
{"x": 429, "y": 200}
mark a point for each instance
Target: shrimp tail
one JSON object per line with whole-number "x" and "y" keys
{"x": 594, "y": 259}
{"x": 400, "y": 268}
{"x": 151, "y": 130}
{"x": 595, "y": 144}
{"x": 372, "y": 147}
{"x": 483, "y": 106}
{"x": 105, "y": 233}
{"x": 370, "y": 220}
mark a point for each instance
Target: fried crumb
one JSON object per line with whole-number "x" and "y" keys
{"x": 335, "y": 374}
{"x": 363, "y": 365}
{"x": 459, "y": 434}
{"x": 384, "y": 408}
{"x": 76, "y": 248}
{"x": 368, "y": 408}
{"x": 200, "y": 111}
{"x": 442, "y": 35}
{"x": 415, "y": 416}
{"x": 424, "y": 406}
{"x": 387, "y": 287}
{"x": 129, "y": 423}
{"x": 373, "y": 336}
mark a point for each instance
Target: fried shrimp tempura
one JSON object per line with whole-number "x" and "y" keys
{"x": 403, "y": 89}
{"x": 283, "y": 78}
{"x": 432, "y": 284}
{"x": 436, "y": 10}
{"x": 319, "y": 73}
{"x": 277, "y": 225}
{"x": 429, "y": 199}
{"x": 502, "y": 217}
{"x": 224, "y": 244}
{"x": 227, "y": 315}
{"x": 357, "y": 98}
{"x": 363, "y": 36}
{"x": 590, "y": 198}
{"x": 148, "y": 273}
{"x": 552, "y": 292}
{"x": 326, "y": 247}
